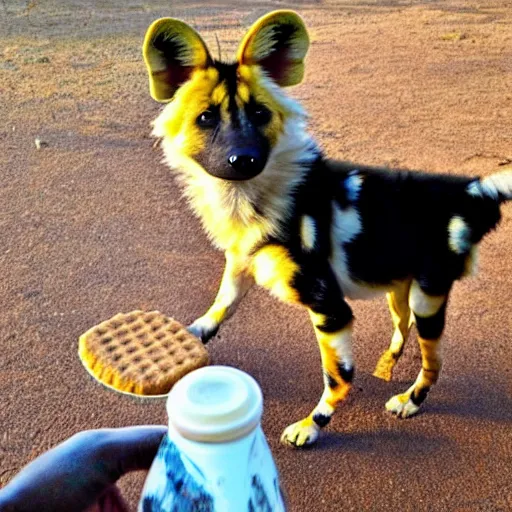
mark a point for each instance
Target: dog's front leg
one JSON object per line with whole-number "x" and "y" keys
{"x": 234, "y": 285}
{"x": 333, "y": 329}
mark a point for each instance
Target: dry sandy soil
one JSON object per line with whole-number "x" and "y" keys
{"x": 92, "y": 224}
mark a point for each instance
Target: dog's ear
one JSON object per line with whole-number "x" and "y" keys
{"x": 172, "y": 51}
{"x": 278, "y": 42}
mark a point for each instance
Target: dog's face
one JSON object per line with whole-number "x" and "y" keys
{"x": 225, "y": 118}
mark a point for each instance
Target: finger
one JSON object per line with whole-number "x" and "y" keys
{"x": 75, "y": 473}
{"x": 131, "y": 448}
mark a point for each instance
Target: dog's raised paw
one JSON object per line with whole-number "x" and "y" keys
{"x": 402, "y": 405}
{"x": 384, "y": 368}
{"x": 300, "y": 434}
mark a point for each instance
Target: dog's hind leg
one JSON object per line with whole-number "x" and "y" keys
{"x": 429, "y": 312}
{"x": 234, "y": 285}
{"x": 398, "y": 301}
{"x": 334, "y": 336}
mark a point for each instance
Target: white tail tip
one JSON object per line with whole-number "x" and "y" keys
{"x": 497, "y": 186}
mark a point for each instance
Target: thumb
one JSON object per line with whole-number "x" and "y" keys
{"x": 130, "y": 448}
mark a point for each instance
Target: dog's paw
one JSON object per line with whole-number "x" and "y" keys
{"x": 384, "y": 368}
{"x": 402, "y": 405}
{"x": 203, "y": 329}
{"x": 302, "y": 433}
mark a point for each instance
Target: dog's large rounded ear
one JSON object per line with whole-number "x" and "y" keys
{"x": 172, "y": 50}
{"x": 278, "y": 42}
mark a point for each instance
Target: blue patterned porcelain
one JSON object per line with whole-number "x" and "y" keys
{"x": 218, "y": 466}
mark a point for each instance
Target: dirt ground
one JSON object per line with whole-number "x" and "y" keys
{"x": 92, "y": 223}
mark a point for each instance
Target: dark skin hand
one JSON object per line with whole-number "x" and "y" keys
{"x": 79, "y": 474}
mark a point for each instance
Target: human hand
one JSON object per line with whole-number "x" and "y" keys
{"x": 79, "y": 474}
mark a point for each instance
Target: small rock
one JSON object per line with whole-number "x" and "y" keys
{"x": 40, "y": 143}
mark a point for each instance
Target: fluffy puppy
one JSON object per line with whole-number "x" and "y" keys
{"x": 311, "y": 230}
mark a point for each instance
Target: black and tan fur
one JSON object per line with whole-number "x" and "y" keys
{"x": 311, "y": 230}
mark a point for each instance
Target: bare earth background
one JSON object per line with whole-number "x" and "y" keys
{"x": 93, "y": 224}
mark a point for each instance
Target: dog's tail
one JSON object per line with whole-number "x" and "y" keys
{"x": 497, "y": 186}
{"x": 489, "y": 193}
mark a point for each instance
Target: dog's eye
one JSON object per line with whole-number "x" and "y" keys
{"x": 207, "y": 119}
{"x": 260, "y": 115}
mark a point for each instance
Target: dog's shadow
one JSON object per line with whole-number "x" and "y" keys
{"x": 372, "y": 430}
{"x": 397, "y": 444}
{"x": 454, "y": 396}
{"x": 463, "y": 396}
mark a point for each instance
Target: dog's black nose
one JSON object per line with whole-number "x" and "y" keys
{"x": 247, "y": 164}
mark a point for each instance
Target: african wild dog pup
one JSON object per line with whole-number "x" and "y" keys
{"x": 311, "y": 230}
